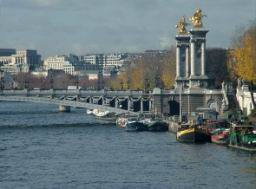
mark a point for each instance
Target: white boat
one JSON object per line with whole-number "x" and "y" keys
{"x": 123, "y": 119}
{"x": 95, "y": 112}
{"x": 101, "y": 113}
{"x": 89, "y": 112}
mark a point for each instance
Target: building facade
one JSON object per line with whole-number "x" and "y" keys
{"x": 69, "y": 64}
{"x": 15, "y": 61}
{"x": 104, "y": 60}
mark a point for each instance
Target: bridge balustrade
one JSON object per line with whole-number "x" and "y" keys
{"x": 14, "y": 92}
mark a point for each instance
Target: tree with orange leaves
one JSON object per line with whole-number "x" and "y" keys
{"x": 245, "y": 56}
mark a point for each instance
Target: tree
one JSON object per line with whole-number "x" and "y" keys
{"x": 168, "y": 70}
{"x": 152, "y": 69}
{"x": 244, "y": 55}
{"x": 137, "y": 79}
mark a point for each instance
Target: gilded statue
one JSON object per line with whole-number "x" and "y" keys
{"x": 197, "y": 19}
{"x": 181, "y": 26}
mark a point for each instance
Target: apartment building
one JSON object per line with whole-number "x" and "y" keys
{"x": 104, "y": 60}
{"x": 15, "y": 61}
{"x": 69, "y": 64}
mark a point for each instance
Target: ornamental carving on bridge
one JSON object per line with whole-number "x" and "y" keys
{"x": 181, "y": 26}
{"x": 197, "y": 19}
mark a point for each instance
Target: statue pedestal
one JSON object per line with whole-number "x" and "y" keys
{"x": 182, "y": 82}
{"x": 198, "y": 78}
{"x": 198, "y": 81}
{"x": 182, "y": 59}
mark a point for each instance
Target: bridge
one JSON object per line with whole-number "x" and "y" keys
{"x": 163, "y": 102}
{"x": 132, "y": 102}
{"x": 193, "y": 88}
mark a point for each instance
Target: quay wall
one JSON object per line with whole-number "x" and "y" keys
{"x": 169, "y": 104}
{"x": 173, "y": 126}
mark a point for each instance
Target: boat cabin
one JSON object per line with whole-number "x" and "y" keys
{"x": 207, "y": 113}
{"x": 243, "y": 129}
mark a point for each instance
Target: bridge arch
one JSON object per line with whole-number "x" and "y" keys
{"x": 44, "y": 100}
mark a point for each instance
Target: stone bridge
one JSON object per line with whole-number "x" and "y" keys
{"x": 133, "y": 102}
{"x": 163, "y": 102}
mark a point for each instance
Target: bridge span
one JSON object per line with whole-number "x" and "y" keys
{"x": 65, "y": 103}
{"x": 162, "y": 102}
{"x": 131, "y": 102}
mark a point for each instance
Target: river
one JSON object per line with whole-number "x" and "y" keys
{"x": 42, "y": 148}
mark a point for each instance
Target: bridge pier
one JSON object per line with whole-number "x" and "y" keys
{"x": 63, "y": 108}
{"x": 116, "y": 102}
{"x": 150, "y": 105}
{"x": 128, "y": 104}
{"x": 141, "y": 105}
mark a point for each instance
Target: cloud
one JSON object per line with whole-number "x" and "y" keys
{"x": 165, "y": 42}
{"x": 32, "y": 4}
{"x": 46, "y": 3}
{"x": 58, "y": 26}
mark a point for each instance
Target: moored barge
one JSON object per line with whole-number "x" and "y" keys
{"x": 243, "y": 137}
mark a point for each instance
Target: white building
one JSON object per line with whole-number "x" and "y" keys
{"x": 19, "y": 61}
{"x": 15, "y": 68}
{"x": 90, "y": 59}
{"x": 246, "y": 99}
{"x": 116, "y": 60}
{"x": 70, "y": 64}
{"x": 104, "y": 60}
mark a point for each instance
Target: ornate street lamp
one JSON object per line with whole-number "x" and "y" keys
{"x": 77, "y": 82}
{"x": 51, "y": 81}
{"x": 122, "y": 85}
{"x": 2, "y": 82}
{"x": 146, "y": 85}
{"x": 26, "y": 84}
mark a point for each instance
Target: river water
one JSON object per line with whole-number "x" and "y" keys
{"x": 41, "y": 148}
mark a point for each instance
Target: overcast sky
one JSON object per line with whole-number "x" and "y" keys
{"x": 94, "y": 26}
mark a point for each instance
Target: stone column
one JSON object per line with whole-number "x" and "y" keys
{"x": 192, "y": 58}
{"x": 178, "y": 62}
{"x": 141, "y": 105}
{"x": 128, "y": 104}
{"x": 103, "y": 100}
{"x": 150, "y": 105}
{"x": 203, "y": 58}
{"x": 116, "y": 103}
{"x": 187, "y": 62}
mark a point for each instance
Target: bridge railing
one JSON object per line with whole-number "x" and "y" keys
{"x": 14, "y": 92}
{"x": 38, "y": 92}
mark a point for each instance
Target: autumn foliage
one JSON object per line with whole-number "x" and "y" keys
{"x": 242, "y": 60}
{"x": 147, "y": 72}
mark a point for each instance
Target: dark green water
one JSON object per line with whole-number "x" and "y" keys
{"x": 42, "y": 148}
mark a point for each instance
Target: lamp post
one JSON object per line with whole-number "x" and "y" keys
{"x": 26, "y": 84}
{"x": 99, "y": 81}
{"x": 146, "y": 85}
{"x": 77, "y": 82}
{"x": 129, "y": 83}
{"x": 180, "y": 99}
{"x": 122, "y": 85}
{"x": 2, "y": 83}
{"x": 157, "y": 82}
{"x": 51, "y": 81}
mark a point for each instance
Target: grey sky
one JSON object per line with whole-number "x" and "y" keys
{"x": 84, "y": 26}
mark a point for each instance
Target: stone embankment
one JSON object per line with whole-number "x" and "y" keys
{"x": 173, "y": 126}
